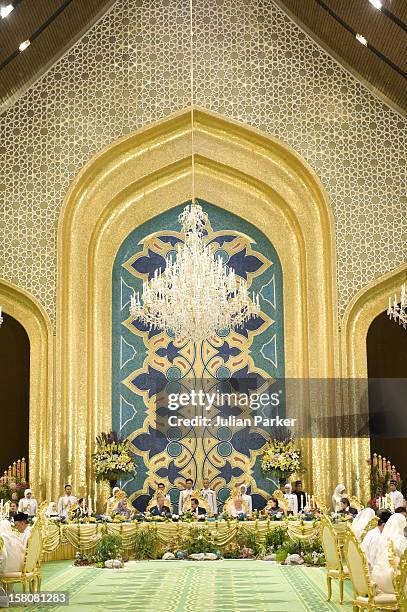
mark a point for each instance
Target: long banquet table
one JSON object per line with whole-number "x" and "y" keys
{"x": 64, "y": 541}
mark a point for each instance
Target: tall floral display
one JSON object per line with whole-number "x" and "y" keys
{"x": 281, "y": 458}
{"x": 112, "y": 459}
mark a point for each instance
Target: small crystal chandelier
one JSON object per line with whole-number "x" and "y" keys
{"x": 196, "y": 295}
{"x": 398, "y": 312}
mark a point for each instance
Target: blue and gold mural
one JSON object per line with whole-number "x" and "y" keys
{"x": 147, "y": 362}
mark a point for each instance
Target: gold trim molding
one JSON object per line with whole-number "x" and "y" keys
{"x": 28, "y": 311}
{"x": 142, "y": 175}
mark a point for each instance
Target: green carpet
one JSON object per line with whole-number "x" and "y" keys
{"x": 184, "y": 586}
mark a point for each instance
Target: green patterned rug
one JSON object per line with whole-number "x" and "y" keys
{"x": 184, "y": 586}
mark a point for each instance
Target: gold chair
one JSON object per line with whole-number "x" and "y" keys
{"x": 282, "y": 501}
{"x": 371, "y": 525}
{"x": 365, "y": 597}
{"x": 332, "y": 551}
{"x": 401, "y": 583}
{"x": 31, "y": 570}
{"x": 356, "y": 503}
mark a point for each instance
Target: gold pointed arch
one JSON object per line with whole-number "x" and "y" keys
{"x": 364, "y": 307}
{"x": 24, "y": 307}
{"x": 142, "y": 175}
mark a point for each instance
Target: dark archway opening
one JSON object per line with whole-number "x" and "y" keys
{"x": 387, "y": 359}
{"x": 15, "y": 390}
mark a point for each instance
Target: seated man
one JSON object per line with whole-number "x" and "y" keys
{"x": 21, "y": 524}
{"x": 161, "y": 508}
{"x": 12, "y": 510}
{"x": 371, "y": 540}
{"x": 196, "y": 509}
{"x": 346, "y": 509}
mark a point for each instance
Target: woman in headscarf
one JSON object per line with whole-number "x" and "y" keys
{"x": 52, "y": 510}
{"x": 28, "y": 505}
{"x": 337, "y": 496}
{"x": 361, "y": 520}
{"x": 238, "y": 508}
{"x": 246, "y": 498}
{"x": 15, "y": 549}
{"x": 392, "y": 535}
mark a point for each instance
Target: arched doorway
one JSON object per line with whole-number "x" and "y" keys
{"x": 15, "y": 390}
{"x": 26, "y": 322}
{"x": 386, "y": 346}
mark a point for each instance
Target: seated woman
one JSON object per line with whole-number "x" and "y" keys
{"x": 122, "y": 507}
{"x": 237, "y": 508}
{"x": 392, "y": 542}
{"x": 52, "y": 510}
{"x": 161, "y": 508}
{"x": 346, "y": 509}
{"x": 272, "y": 508}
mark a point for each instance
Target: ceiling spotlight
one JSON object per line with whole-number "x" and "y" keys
{"x": 6, "y": 10}
{"x": 361, "y": 39}
{"x": 24, "y": 45}
{"x": 376, "y": 3}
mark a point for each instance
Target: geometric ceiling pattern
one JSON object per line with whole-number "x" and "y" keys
{"x": 254, "y": 65}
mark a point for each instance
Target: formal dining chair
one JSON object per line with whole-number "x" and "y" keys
{"x": 332, "y": 551}
{"x": 31, "y": 570}
{"x": 365, "y": 597}
{"x": 401, "y": 583}
{"x": 371, "y": 525}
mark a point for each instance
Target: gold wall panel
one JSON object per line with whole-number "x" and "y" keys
{"x": 253, "y": 176}
{"x": 252, "y": 64}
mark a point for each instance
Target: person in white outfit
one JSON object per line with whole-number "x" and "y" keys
{"x": 370, "y": 542}
{"x": 337, "y": 496}
{"x": 28, "y": 504}
{"x": 15, "y": 549}
{"x": 210, "y": 496}
{"x": 112, "y": 501}
{"x": 361, "y": 521}
{"x": 246, "y": 498}
{"x": 291, "y": 498}
{"x": 396, "y": 497}
{"x": 393, "y": 533}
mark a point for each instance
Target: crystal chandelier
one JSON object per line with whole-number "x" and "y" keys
{"x": 196, "y": 295}
{"x": 398, "y": 312}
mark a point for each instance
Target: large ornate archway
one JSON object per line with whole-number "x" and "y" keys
{"x": 140, "y": 176}
{"x": 43, "y": 420}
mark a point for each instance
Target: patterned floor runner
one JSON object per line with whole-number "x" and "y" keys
{"x": 165, "y": 586}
